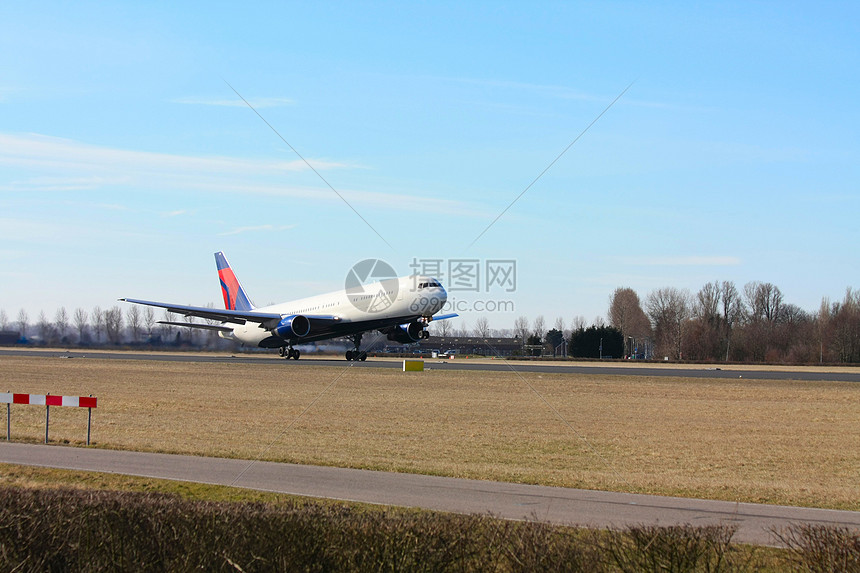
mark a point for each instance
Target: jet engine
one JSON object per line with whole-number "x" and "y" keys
{"x": 407, "y": 333}
{"x": 294, "y": 326}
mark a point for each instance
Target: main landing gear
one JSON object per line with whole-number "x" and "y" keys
{"x": 289, "y": 352}
{"x": 356, "y": 354}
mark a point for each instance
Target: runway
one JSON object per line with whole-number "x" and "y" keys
{"x": 705, "y": 372}
{"x": 511, "y": 501}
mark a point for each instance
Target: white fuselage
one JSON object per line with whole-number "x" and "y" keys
{"x": 386, "y": 303}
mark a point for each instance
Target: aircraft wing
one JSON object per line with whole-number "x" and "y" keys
{"x": 445, "y": 316}
{"x": 198, "y": 325}
{"x": 235, "y": 316}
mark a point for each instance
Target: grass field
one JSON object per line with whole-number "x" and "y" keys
{"x": 743, "y": 440}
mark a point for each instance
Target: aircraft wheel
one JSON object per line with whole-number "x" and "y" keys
{"x": 349, "y": 355}
{"x": 297, "y": 354}
{"x": 281, "y": 351}
{"x": 362, "y": 356}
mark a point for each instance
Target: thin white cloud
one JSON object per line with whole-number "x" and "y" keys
{"x": 45, "y": 152}
{"x": 257, "y": 103}
{"x": 45, "y": 184}
{"x": 683, "y": 261}
{"x": 176, "y": 213}
{"x": 68, "y": 165}
{"x": 257, "y": 228}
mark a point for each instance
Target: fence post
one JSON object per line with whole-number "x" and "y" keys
{"x": 9, "y": 422}
{"x": 89, "y": 422}
{"x": 47, "y": 417}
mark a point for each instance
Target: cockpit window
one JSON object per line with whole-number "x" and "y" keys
{"x": 430, "y": 284}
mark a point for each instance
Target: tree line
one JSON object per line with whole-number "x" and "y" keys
{"x": 719, "y": 323}
{"x": 754, "y": 324}
{"x": 110, "y": 326}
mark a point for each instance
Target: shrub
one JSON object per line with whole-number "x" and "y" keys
{"x": 673, "y": 549}
{"x": 823, "y": 549}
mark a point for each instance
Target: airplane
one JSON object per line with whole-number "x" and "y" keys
{"x": 399, "y": 307}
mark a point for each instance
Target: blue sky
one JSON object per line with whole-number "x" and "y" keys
{"x": 126, "y": 160}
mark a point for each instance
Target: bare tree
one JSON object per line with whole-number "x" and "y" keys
{"x": 521, "y": 328}
{"x": 765, "y": 301}
{"x": 211, "y": 335}
{"x": 4, "y": 320}
{"x": 793, "y": 314}
{"x": 539, "y": 327}
{"x": 715, "y": 310}
{"x": 708, "y": 302}
{"x": 621, "y": 304}
{"x": 561, "y": 327}
{"x": 578, "y": 323}
{"x": 668, "y": 308}
{"x": 149, "y": 320}
{"x": 46, "y": 330}
{"x": 23, "y": 319}
{"x": 188, "y": 319}
{"x": 80, "y": 319}
{"x": 98, "y": 321}
{"x": 113, "y": 324}
{"x": 61, "y": 319}
{"x": 626, "y": 314}
{"x": 846, "y": 327}
{"x": 732, "y": 310}
{"x": 167, "y": 326}
{"x": 482, "y": 327}
{"x": 443, "y": 328}
{"x": 132, "y": 318}
{"x": 703, "y": 338}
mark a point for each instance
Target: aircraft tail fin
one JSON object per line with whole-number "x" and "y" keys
{"x": 234, "y": 294}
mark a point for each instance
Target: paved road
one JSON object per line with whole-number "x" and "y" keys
{"x": 511, "y": 501}
{"x": 499, "y": 366}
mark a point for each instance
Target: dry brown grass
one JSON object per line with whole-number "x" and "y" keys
{"x": 781, "y": 442}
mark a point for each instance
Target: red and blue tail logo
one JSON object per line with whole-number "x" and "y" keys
{"x": 234, "y": 295}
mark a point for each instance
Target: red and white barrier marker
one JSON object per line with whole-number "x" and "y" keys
{"x": 47, "y": 400}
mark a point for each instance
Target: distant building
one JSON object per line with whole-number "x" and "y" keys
{"x": 490, "y": 346}
{"x": 9, "y": 337}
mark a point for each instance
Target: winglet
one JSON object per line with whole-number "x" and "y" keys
{"x": 234, "y": 294}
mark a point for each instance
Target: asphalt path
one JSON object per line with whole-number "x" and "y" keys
{"x": 707, "y": 372}
{"x": 555, "y": 505}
